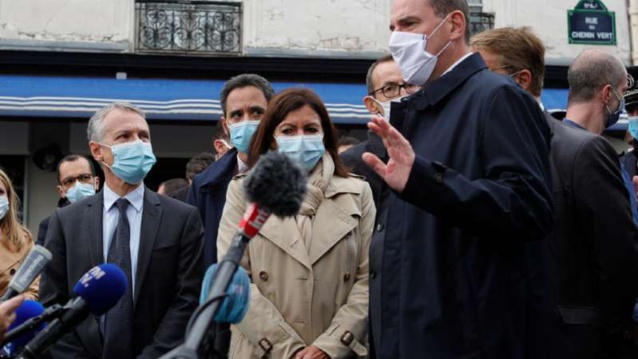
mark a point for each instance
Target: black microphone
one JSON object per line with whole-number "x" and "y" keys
{"x": 97, "y": 291}
{"x": 276, "y": 185}
{"x": 32, "y": 266}
{"x": 32, "y": 323}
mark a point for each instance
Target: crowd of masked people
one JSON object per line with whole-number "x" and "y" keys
{"x": 469, "y": 224}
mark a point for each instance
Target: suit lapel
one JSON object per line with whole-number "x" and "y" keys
{"x": 151, "y": 215}
{"x": 285, "y": 235}
{"x": 95, "y": 209}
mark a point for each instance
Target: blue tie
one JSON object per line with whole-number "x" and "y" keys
{"x": 118, "y": 331}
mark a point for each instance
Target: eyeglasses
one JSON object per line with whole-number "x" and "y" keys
{"x": 394, "y": 90}
{"x": 70, "y": 181}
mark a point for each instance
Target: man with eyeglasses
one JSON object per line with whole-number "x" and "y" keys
{"x": 76, "y": 181}
{"x": 385, "y": 85}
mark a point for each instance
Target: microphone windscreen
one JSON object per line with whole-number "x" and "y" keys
{"x": 30, "y": 268}
{"x": 276, "y": 184}
{"x": 29, "y": 309}
{"x": 101, "y": 287}
{"x": 235, "y": 305}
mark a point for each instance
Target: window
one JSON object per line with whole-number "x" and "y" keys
{"x": 188, "y": 26}
{"x": 479, "y": 20}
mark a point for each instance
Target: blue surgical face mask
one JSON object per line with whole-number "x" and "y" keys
{"x": 4, "y": 206}
{"x": 307, "y": 150}
{"x": 241, "y": 133}
{"x": 633, "y": 127}
{"x": 131, "y": 160}
{"x": 614, "y": 116}
{"x": 80, "y": 191}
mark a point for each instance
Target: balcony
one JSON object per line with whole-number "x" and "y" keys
{"x": 192, "y": 27}
{"x": 481, "y": 21}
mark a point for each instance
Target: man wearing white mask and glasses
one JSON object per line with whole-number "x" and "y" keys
{"x": 468, "y": 171}
{"x": 155, "y": 240}
{"x": 76, "y": 181}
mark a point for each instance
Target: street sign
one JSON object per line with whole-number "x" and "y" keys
{"x": 590, "y": 23}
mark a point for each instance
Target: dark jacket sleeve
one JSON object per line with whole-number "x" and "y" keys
{"x": 54, "y": 288}
{"x": 512, "y": 197}
{"x": 170, "y": 333}
{"x": 604, "y": 213}
{"x": 191, "y": 198}
{"x": 42, "y": 231}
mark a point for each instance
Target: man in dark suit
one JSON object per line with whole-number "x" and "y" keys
{"x": 156, "y": 240}
{"x": 468, "y": 170}
{"x": 384, "y": 84}
{"x": 592, "y": 262}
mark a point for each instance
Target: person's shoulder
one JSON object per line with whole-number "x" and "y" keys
{"x": 353, "y": 184}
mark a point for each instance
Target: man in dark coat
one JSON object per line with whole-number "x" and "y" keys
{"x": 468, "y": 168}
{"x": 631, "y": 106}
{"x": 385, "y": 84}
{"x": 244, "y": 98}
{"x": 592, "y": 260}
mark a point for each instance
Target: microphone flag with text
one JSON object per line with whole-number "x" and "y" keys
{"x": 29, "y": 270}
{"x": 275, "y": 185}
{"x": 97, "y": 291}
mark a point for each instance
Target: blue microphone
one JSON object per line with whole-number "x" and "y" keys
{"x": 29, "y": 309}
{"x": 235, "y": 305}
{"x": 97, "y": 291}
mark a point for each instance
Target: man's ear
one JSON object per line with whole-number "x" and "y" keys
{"x": 606, "y": 94}
{"x": 96, "y": 151}
{"x": 459, "y": 23}
{"x": 224, "y": 125}
{"x": 60, "y": 191}
{"x": 96, "y": 183}
{"x": 371, "y": 105}
{"x": 524, "y": 79}
{"x": 220, "y": 148}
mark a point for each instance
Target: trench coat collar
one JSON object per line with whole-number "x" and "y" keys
{"x": 436, "y": 91}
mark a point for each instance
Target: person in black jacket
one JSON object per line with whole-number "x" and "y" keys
{"x": 469, "y": 186}
{"x": 592, "y": 263}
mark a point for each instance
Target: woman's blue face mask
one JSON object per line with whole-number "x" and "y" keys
{"x": 307, "y": 150}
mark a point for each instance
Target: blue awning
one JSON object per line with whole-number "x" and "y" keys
{"x": 67, "y": 97}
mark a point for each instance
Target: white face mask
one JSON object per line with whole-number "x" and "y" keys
{"x": 408, "y": 50}
{"x": 4, "y": 206}
{"x": 386, "y": 106}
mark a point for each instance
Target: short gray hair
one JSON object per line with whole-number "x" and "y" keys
{"x": 95, "y": 129}
{"x": 591, "y": 71}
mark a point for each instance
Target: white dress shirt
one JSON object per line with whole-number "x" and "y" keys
{"x": 110, "y": 217}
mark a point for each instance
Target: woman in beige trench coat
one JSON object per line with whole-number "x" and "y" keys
{"x": 309, "y": 291}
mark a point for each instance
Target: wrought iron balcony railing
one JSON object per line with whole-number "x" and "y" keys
{"x": 188, "y": 27}
{"x": 481, "y": 21}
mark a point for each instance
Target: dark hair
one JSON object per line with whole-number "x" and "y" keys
{"x": 173, "y": 185}
{"x": 198, "y": 163}
{"x": 518, "y": 49}
{"x": 73, "y": 158}
{"x": 347, "y": 141}
{"x": 219, "y": 134}
{"x": 443, "y": 7}
{"x": 245, "y": 80}
{"x": 281, "y": 106}
{"x": 370, "y": 85}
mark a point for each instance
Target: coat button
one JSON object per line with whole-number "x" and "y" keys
{"x": 438, "y": 177}
{"x": 373, "y": 274}
{"x": 346, "y": 277}
{"x": 263, "y": 276}
{"x": 380, "y": 227}
{"x": 12, "y": 271}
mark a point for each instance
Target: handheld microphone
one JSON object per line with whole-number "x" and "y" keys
{"x": 33, "y": 323}
{"x": 28, "y": 310}
{"x": 276, "y": 185}
{"x": 31, "y": 267}
{"x": 97, "y": 291}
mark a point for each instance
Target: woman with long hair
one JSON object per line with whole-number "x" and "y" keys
{"x": 15, "y": 239}
{"x": 309, "y": 289}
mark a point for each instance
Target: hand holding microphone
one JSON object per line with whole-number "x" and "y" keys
{"x": 7, "y": 313}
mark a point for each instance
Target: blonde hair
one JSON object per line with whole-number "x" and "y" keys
{"x": 15, "y": 235}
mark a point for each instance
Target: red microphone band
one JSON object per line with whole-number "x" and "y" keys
{"x": 252, "y": 221}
